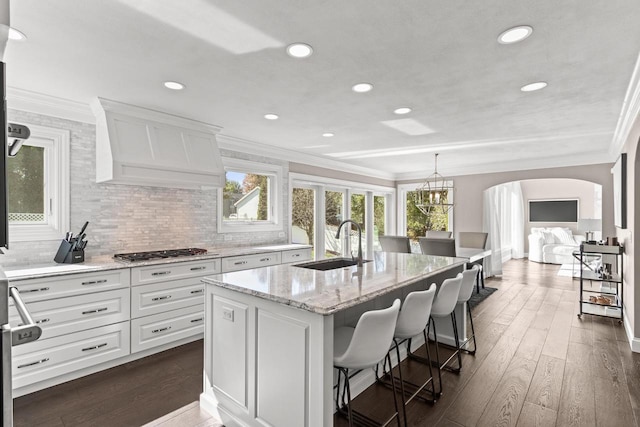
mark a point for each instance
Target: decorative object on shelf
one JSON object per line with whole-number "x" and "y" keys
{"x": 589, "y": 226}
{"x": 434, "y": 194}
{"x": 619, "y": 171}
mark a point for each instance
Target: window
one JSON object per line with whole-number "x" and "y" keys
{"x": 319, "y": 205}
{"x": 413, "y": 222}
{"x": 38, "y": 186}
{"x": 250, "y": 197}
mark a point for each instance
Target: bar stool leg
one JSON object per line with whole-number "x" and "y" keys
{"x": 402, "y": 393}
{"x": 456, "y": 337}
{"x": 435, "y": 339}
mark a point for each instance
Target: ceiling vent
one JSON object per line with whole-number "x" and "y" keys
{"x": 138, "y": 146}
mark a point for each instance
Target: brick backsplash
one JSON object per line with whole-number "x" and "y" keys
{"x": 127, "y": 218}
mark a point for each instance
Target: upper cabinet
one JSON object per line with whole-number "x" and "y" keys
{"x": 139, "y": 146}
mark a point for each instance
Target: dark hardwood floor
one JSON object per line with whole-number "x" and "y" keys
{"x": 537, "y": 364}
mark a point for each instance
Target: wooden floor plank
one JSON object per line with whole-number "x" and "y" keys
{"x": 613, "y": 407}
{"x": 536, "y": 416}
{"x": 503, "y": 409}
{"x": 559, "y": 332}
{"x": 546, "y": 384}
{"x": 577, "y": 401}
{"x": 531, "y": 344}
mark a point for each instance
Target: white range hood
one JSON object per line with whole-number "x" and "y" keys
{"x": 138, "y": 146}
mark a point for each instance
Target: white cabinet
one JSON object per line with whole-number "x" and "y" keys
{"x": 73, "y": 284}
{"x": 72, "y": 314}
{"x": 172, "y": 271}
{"x": 144, "y": 147}
{"x": 152, "y": 331}
{"x": 245, "y": 262}
{"x": 296, "y": 255}
{"x": 45, "y": 359}
{"x": 160, "y": 297}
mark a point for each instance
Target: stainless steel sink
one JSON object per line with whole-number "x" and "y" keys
{"x": 330, "y": 264}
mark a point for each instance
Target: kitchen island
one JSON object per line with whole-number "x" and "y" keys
{"x": 269, "y": 333}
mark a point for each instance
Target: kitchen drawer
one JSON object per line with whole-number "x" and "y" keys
{"x": 244, "y": 262}
{"x": 296, "y": 255}
{"x": 48, "y": 358}
{"x": 151, "y": 331}
{"x": 72, "y": 314}
{"x": 71, "y": 284}
{"x": 171, "y": 271}
{"x": 164, "y": 296}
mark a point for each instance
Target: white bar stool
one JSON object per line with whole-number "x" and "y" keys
{"x": 469, "y": 278}
{"x": 443, "y": 306}
{"x": 364, "y": 347}
{"x": 412, "y": 320}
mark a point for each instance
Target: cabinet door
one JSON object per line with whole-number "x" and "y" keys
{"x": 48, "y": 358}
{"x": 174, "y": 270}
{"x": 160, "y": 297}
{"x": 73, "y": 314}
{"x": 158, "y": 329}
{"x": 71, "y": 284}
{"x": 296, "y": 255}
{"x": 244, "y": 262}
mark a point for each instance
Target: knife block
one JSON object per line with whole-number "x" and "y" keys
{"x": 67, "y": 256}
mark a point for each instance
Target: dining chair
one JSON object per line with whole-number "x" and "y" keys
{"x": 395, "y": 244}
{"x": 364, "y": 347}
{"x": 474, "y": 239}
{"x": 434, "y": 246}
{"x": 439, "y": 234}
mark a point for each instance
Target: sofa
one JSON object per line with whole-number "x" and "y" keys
{"x": 553, "y": 245}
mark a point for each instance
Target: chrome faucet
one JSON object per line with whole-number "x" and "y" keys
{"x": 359, "y": 237}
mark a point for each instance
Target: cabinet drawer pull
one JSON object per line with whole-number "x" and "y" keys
{"x": 97, "y": 310}
{"x": 37, "y": 321}
{"x": 197, "y": 320}
{"x": 197, "y": 291}
{"x": 239, "y": 262}
{"x": 295, "y": 255}
{"x": 265, "y": 259}
{"x": 33, "y": 363}
{"x": 197, "y": 268}
{"x": 161, "y": 273}
{"x": 33, "y": 290}
{"x": 155, "y": 331}
{"x": 161, "y": 298}
{"x": 94, "y": 282}
{"x": 104, "y": 344}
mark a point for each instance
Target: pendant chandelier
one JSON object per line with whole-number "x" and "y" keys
{"x": 434, "y": 195}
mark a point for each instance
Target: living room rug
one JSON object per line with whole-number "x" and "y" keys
{"x": 477, "y": 298}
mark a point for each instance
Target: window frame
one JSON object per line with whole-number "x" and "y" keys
{"x": 322, "y": 184}
{"x": 57, "y": 171}
{"x": 275, "y": 174}
{"x": 401, "y": 204}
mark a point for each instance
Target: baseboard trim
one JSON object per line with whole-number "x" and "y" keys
{"x": 634, "y": 343}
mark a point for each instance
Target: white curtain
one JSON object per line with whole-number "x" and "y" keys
{"x": 503, "y": 220}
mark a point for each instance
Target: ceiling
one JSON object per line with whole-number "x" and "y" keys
{"x": 442, "y": 59}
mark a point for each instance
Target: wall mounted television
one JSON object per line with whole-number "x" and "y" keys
{"x": 556, "y": 210}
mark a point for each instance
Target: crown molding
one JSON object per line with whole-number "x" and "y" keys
{"x": 251, "y": 147}
{"x": 24, "y": 100}
{"x": 629, "y": 113}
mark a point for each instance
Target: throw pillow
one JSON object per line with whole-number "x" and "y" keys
{"x": 564, "y": 235}
{"x": 549, "y": 238}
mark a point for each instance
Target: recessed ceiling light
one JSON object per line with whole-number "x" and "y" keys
{"x": 362, "y": 87}
{"x": 533, "y": 86}
{"x": 515, "y": 34}
{"x": 16, "y": 35}
{"x": 402, "y": 110}
{"x": 174, "y": 85}
{"x": 327, "y": 134}
{"x": 271, "y": 116}
{"x": 299, "y": 50}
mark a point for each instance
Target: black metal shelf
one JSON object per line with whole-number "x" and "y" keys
{"x": 589, "y": 276}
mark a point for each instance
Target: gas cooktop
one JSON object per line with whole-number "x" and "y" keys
{"x": 167, "y": 253}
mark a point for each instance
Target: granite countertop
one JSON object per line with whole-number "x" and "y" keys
{"x": 106, "y": 262}
{"x": 326, "y": 292}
